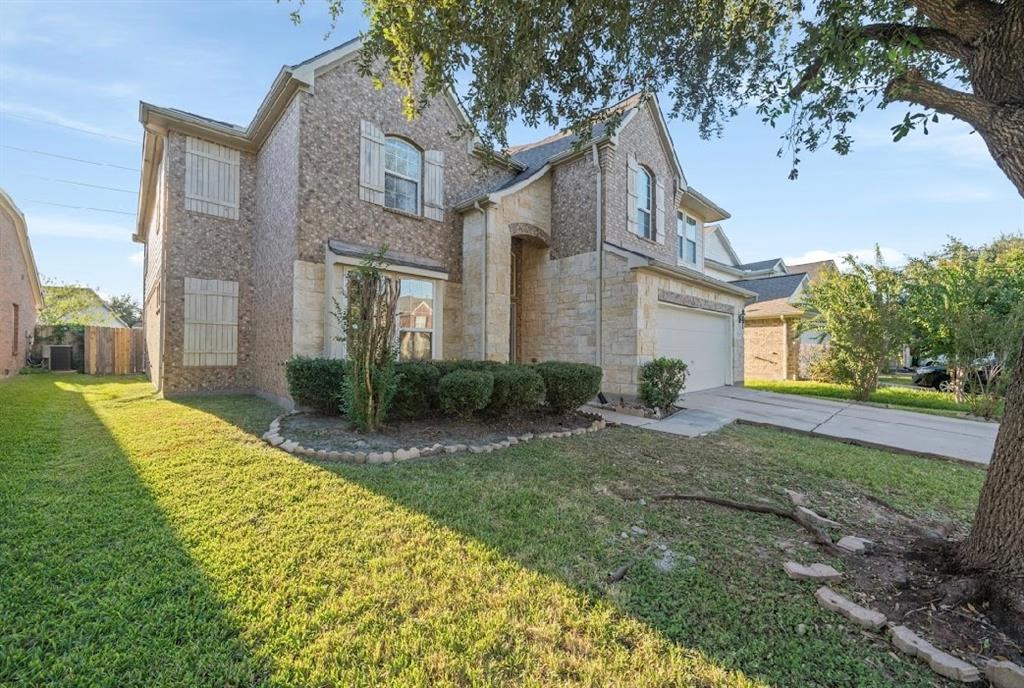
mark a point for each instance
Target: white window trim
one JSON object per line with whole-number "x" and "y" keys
{"x": 650, "y": 209}
{"x": 682, "y": 239}
{"x": 418, "y": 182}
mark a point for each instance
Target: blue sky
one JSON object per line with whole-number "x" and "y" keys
{"x": 72, "y": 73}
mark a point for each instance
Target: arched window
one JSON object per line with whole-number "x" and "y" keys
{"x": 403, "y": 170}
{"x": 645, "y": 203}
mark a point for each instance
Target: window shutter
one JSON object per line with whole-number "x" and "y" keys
{"x": 433, "y": 185}
{"x": 211, "y": 178}
{"x": 371, "y": 163}
{"x": 659, "y": 212}
{"x": 632, "y": 169}
{"x": 211, "y": 322}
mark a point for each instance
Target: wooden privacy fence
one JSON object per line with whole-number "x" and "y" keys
{"x": 113, "y": 350}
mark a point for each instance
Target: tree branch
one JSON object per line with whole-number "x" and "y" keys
{"x": 933, "y": 39}
{"x": 965, "y": 19}
{"x": 914, "y": 88}
{"x": 929, "y": 38}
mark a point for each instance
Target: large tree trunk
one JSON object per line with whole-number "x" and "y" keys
{"x": 996, "y": 542}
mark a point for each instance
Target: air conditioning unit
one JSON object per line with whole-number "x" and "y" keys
{"x": 59, "y": 356}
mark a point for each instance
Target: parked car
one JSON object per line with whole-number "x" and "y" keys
{"x": 934, "y": 375}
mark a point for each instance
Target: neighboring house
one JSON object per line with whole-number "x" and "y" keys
{"x": 722, "y": 262}
{"x": 588, "y": 253}
{"x": 92, "y": 310}
{"x": 774, "y": 348}
{"x": 21, "y": 297}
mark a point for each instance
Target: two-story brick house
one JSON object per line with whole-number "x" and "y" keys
{"x": 586, "y": 253}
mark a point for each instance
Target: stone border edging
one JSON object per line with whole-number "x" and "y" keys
{"x": 274, "y": 438}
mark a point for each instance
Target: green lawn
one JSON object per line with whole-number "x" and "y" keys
{"x": 146, "y": 542}
{"x": 910, "y": 398}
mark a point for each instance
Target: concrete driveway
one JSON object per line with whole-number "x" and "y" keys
{"x": 919, "y": 433}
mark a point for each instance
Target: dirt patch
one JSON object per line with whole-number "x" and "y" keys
{"x": 911, "y": 576}
{"x": 334, "y": 433}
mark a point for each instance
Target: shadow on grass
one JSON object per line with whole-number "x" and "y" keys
{"x": 555, "y": 508}
{"x": 96, "y": 588}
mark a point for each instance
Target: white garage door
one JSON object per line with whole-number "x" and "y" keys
{"x": 702, "y": 339}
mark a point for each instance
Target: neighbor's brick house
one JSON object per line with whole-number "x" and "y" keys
{"x": 590, "y": 253}
{"x": 21, "y": 296}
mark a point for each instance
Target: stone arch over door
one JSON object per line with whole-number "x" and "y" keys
{"x": 530, "y": 233}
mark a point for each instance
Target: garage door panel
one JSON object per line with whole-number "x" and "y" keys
{"x": 700, "y": 338}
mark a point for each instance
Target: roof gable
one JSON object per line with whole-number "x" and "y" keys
{"x": 8, "y": 206}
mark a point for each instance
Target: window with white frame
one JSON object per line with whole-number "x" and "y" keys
{"x": 645, "y": 203}
{"x": 686, "y": 230}
{"x": 403, "y": 168}
{"x": 416, "y": 322}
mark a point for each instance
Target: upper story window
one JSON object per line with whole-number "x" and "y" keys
{"x": 686, "y": 229}
{"x": 645, "y": 203}
{"x": 403, "y": 168}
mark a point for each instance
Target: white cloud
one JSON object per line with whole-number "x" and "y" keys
{"x": 948, "y": 138}
{"x": 36, "y": 113}
{"x": 56, "y": 80}
{"x": 137, "y": 258}
{"x": 58, "y": 226}
{"x": 891, "y": 256}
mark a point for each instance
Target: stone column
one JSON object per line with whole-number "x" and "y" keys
{"x": 486, "y": 283}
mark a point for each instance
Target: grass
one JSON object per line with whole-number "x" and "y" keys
{"x": 909, "y": 398}
{"x": 146, "y": 542}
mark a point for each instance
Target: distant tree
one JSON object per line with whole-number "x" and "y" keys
{"x": 861, "y": 312}
{"x": 72, "y": 305}
{"x": 126, "y": 308}
{"x": 967, "y": 304}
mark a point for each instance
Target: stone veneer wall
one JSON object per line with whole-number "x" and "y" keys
{"x": 277, "y": 219}
{"x": 206, "y": 247}
{"x": 557, "y": 307}
{"x": 15, "y": 288}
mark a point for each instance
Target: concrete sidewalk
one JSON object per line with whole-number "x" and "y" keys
{"x": 688, "y": 422}
{"x": 918, "y": 433}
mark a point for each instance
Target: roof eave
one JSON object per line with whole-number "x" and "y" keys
{"x": 711, "y": 211}
{"x": 21, "y": 229}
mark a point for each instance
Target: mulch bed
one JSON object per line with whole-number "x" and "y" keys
{"x": 334, "y": 433}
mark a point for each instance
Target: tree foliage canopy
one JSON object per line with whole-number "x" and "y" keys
{"x": 811, "y": 67}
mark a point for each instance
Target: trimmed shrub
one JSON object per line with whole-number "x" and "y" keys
{"x": 464, "y": 392}
{"x": 449, "y": 367}
{"x": 416, "y": 395}
{"x": 661, "y": 381}
{"x": 569, "y": 385}
{"x": 316, "y": 383}
{"x": 517, "y": 388}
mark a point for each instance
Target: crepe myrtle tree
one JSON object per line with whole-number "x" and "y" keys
{"x": 809, "y": 67}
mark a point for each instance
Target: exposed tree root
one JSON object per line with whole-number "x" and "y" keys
{"x": 820, "y": 536}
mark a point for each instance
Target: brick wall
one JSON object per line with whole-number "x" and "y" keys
{"x": 206, "y": 247}
{"x": 15, "y": 288}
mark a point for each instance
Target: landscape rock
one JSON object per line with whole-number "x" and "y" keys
{"x": 290, "y": 446}
{"x": 854, "y": 545}
{"x": 797, "y": 498}
{"x": 814, "y": 572}
{"x": 817, "y": 519}
{"x": 455, "y": 448}
{"x": 638, "y": 530}
{"x": 867, "y": 618}
{"x": 1004, "y": 674}
{"x": 526, "y": 437}
{"x": 952, "y": 667}
{"x": 666, "y": 562}
{"x": 406, "y": 454}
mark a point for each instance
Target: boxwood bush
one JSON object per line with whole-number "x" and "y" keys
{"x": 517, "y": 388}
{"x": 464, "y": 392}
{"x": 661, "y": 381}
{"x": 447, "y": 367}
{"x": 569, "y": 385}
{"x": 316, "y": 383}
{"x": 416, "y": 395}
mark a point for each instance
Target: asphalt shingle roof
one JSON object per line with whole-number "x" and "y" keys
{"x": 759, "y": 264}
{"x": 769, "y": 288}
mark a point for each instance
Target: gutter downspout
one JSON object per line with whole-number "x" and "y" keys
{"x": 483, "y": 278}
{"x": 599, "y": 235}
